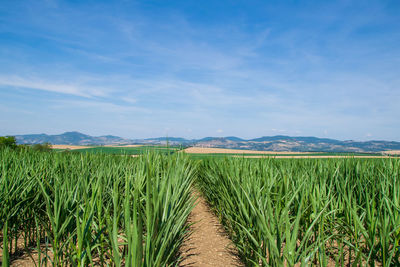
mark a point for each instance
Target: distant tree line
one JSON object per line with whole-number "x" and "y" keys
{"x": 11, "y": 142}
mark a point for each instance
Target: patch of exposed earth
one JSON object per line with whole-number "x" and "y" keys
{"x": 391, "y": 152}
{"x": 208, "y": 245}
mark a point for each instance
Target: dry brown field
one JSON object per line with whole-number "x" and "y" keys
{"x": 391, "y": 152}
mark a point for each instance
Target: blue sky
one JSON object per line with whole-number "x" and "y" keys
{"x": 194, "y": 68}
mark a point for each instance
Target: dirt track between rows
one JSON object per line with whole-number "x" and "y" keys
{"x": 209, "y": 244}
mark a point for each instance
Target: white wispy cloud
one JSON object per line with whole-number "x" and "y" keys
{"x": 53, "y": 86}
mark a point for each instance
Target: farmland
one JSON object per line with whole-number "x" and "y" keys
{"x": 308, "y": 212}
{"x": 207, "y": 153}
{"x": 204, "y": 153}
{"x": 85, "y": 209}
{"x": 122, "y": 150}
{"x": 96, "y": 207}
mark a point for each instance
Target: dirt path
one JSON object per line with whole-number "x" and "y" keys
{"x": 209, "y": 244}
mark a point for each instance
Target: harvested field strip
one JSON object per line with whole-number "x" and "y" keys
{"x": 392, "y": 152}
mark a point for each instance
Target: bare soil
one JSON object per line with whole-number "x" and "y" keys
{"x": 208, "y": 245}
{"x": 391, "y": 152}
{"x": 25, "y": 257}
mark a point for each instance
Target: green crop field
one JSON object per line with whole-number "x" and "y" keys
{"x": 139, "y": 150}
{"x": 343, "y": 212}
{"x": 127, "y": 150}
{"x": 223, "y": 155}
{"x": 85, "y": 209}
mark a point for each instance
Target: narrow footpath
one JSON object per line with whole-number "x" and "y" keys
{"x": 208, "y": 245}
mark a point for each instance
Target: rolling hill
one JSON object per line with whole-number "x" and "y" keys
{"x": 265, "y": 143}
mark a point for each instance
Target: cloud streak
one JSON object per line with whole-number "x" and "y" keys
{"x": 56, "y": 87}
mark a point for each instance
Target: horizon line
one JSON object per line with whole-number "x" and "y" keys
{"x": 220, "y": 137}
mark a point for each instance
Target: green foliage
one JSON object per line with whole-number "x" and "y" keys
{"x": 129, "y": 150}
{"x": 306, "y": 211}
{"x": 88, "y": 209}
{"x": 45, "y": 147}
{"x": 239, "y": 155}
{"x": 8, "y": 141}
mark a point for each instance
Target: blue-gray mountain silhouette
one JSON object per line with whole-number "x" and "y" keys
{"x": 270, "y": 143}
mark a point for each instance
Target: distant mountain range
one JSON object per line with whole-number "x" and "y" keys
{"x": 71, "y": 138}
{"x": 267, "y": 143}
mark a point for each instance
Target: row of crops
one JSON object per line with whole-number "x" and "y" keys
{"x": 341, "y": 212}
{"x": 67, "y": 209}
{"x": 139, "y": 150}
{"x": 86, "y": 209}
